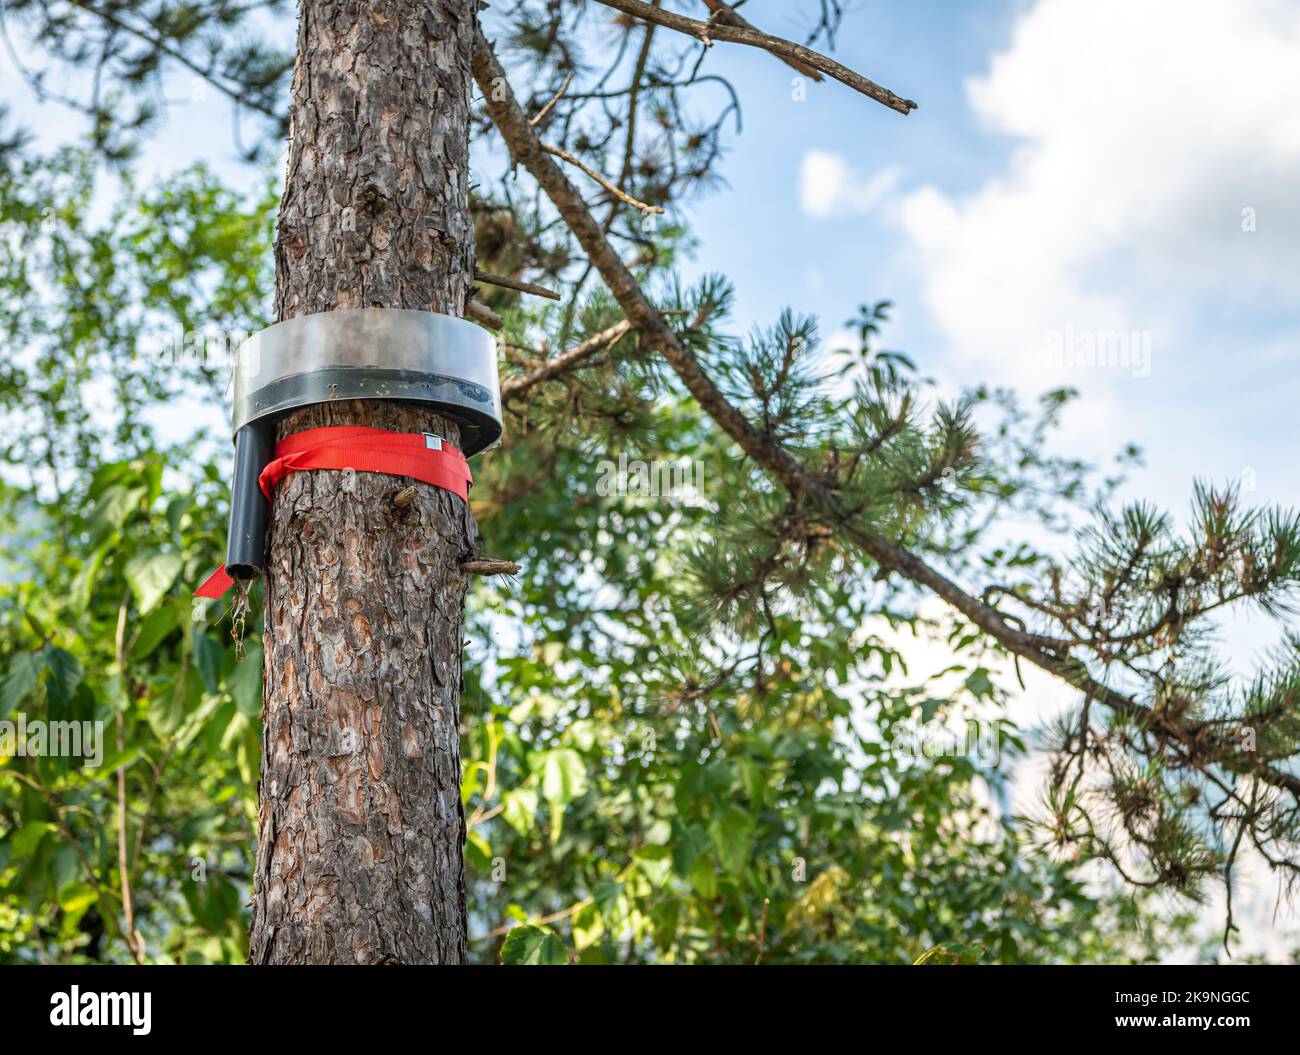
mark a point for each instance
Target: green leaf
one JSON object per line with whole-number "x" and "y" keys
{"x": 530, "y": 945}
{"x": 732, "y": 831}
{"x": 83, "y": 586}
{"x": 65, "y": 675}
{"x": 150, "y": 575}
{"x": 154, "y": 629}
{"x": 75, "y": 898}
{"x": 753, "y": 778}
{"x": 519, "y": 809}
{"x": 112, "y": 509}
{"x": 655, "y": 862}
{"x": 478, "y": 852}
{"x": 167, "y": 704}
{"x": 564, "y": 777}
{"x": 28, "y": 838}
{"x": 245, "y": 684}
{"x": 979, "y": 684}
{"x": 689, "y": 843}
{"x": 65, "y": 866}
{"x": 214, "y": 902}
{"x": 208, "y": 658}
{"x": 583, "y": 734}
{"x": 24, "y": 672}
{"x": 704, "y": 878}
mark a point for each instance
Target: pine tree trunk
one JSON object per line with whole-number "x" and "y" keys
{"x": 361, "y": 830}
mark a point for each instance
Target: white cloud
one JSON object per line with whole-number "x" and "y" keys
{"x": 829, "y": 186}
{"x": 1144, "y": 132}
{"x": 1139, "y": 132}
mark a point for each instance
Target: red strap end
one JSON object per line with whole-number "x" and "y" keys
{"x": 215, "y": 585}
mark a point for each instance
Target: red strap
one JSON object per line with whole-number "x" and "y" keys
{"x": 372, "y": 451}
{"x": 414, "y": 454}
{"x": 215, "y": 585}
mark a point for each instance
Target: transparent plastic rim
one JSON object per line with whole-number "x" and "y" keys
{"x": 373, "y": 353}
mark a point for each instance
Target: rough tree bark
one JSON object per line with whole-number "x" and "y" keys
{"x": 359, "y": 856}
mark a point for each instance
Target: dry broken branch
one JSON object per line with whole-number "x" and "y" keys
{"x": 515, "y": 284}
{"x": 717, "y": 29}
{"x": 483, "y": 315}
{"x": 564, "y": 362}
{"x": 724, "y": 15}
{"x": 488, "y": 566}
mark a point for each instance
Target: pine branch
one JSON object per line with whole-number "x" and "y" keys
{"x": 526, "y": 149}
{"x": 155, "y": 40}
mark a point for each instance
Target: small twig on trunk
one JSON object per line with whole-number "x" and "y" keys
{"x": 483, "y": 315}
{"x": 489, "y": 566}
{"x": 515, "y": 284}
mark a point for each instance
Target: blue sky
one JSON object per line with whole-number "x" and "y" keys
{"x": 1077, "y": 170}
{"x": 1074, "y": 168}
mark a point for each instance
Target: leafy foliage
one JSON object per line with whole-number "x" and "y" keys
{"x": 648, "y": 785}
{"x": 95, "y": 624}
